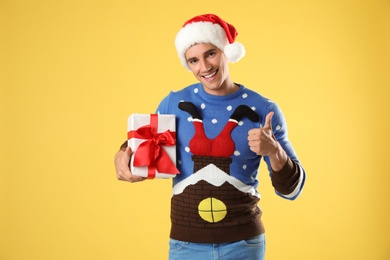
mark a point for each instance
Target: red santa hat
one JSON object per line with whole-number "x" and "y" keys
{"x": 208, "y": 28}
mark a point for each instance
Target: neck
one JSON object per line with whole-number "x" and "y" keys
{"x": 228, "y": 87}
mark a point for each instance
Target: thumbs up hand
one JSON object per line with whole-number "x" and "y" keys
{"x": 262, "y": 140}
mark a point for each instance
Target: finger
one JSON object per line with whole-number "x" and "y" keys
{"x": 126, "y": 175}
{"x": 254, "y": 131}
{"x": 268, "y": 120}
{"x": 135, "y": 178}
{"x": 129, "y": 176}
{"x": 127, "y": 161}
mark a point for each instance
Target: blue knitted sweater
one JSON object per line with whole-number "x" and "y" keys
{"x": 215, "y": 195}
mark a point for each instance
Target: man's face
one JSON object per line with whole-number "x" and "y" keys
{"x": 210, "y": 66}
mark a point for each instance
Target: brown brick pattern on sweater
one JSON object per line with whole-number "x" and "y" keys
{"x": 241, "y": 207}
{"x": 222, "y": 163}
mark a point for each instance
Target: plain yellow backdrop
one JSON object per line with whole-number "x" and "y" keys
{"x": 73, "y": 71}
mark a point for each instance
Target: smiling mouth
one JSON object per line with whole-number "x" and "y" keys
{"x": 210, "y": 75}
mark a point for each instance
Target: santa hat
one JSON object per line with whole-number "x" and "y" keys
{"x": 209, "y": 28}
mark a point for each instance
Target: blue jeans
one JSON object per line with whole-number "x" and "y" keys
{"x": 250, "y": 249}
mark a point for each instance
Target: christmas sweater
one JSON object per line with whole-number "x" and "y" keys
{"x": 215, "y": 197}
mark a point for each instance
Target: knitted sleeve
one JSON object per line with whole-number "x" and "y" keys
{"x": 287, "y": 179}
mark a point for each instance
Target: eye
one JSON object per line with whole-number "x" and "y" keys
{"x": 211, "y": 53}
{"x": 192, "y": 61}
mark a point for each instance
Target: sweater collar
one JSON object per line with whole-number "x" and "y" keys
{"x": 200, "y": 90}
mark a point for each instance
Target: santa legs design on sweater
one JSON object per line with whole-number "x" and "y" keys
{"x": 210, "y": 205}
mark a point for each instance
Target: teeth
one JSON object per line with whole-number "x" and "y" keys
{"x": 209, "y": 76}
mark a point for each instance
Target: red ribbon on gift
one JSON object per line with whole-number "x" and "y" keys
{"x": 150, "y": 152}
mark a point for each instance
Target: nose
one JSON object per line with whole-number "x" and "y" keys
{"x": 205, "y": 65}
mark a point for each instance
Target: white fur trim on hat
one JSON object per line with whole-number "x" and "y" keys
{"x": 234, "y": 52}
{"x": 206, "y": 32}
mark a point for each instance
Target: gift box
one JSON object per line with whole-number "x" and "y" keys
{"x": 152, "y": 139}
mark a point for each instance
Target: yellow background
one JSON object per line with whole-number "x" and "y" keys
{"x": 72, "y": 71}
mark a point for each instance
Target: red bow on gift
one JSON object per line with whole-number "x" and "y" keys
{"x": 150, "y": 153}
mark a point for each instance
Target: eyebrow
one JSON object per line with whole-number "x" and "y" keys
{"x": 206, "y": 52}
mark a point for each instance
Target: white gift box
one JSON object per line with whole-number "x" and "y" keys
{"x": 152, "y": 139}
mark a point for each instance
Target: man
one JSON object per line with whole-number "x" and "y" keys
{"x": 223, "y": 131}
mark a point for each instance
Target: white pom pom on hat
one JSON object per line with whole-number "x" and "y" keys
{"x": 208, "y": 28}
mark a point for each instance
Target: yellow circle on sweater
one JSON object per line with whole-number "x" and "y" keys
{"x": 212, "y": 210}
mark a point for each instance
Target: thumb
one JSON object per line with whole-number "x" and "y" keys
{"x": 127, "y": 156}
{"x": 128, "y": 152}
{"x": 268, "y": 120}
